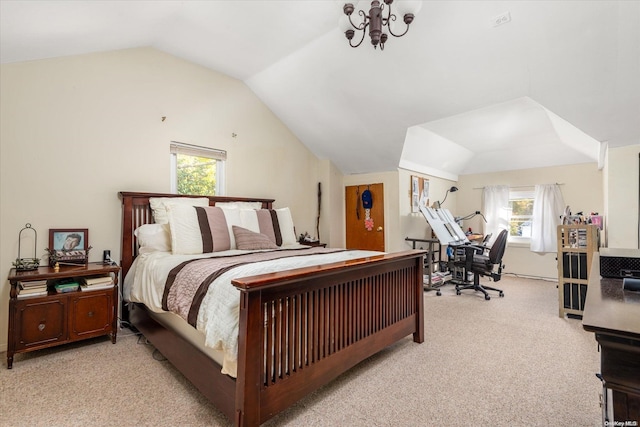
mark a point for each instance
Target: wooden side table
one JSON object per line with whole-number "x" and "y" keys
{"x": 323, "y": 245}
{"x": 37, "y": 322}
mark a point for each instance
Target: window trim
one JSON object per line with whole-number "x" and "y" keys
{"x": 220, "y": 156}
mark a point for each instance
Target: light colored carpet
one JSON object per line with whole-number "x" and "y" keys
{"x": 505, "y": 362}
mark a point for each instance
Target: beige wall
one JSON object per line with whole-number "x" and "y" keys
{"x": 621, "y": 188}
{"x": 414, "y": 224}
{"x": 581, "y": 189}
{"x": 76, "y": 130}
{"x": 331, "y": 212}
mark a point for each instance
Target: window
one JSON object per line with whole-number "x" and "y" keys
{"x": 197, "y": 170}
{"x": 521, "y": 206}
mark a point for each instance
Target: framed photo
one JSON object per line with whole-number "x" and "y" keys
{"x": 425, "y": 192}
{"x": 68, "y": 245}
{"x": 415, "y": 193}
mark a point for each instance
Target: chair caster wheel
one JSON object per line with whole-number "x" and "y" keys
{"x": 458, "y": 292}
{"x": 438, "y": 293}
{"x": 501, "y": 294}
{"x": 487, "y": 297}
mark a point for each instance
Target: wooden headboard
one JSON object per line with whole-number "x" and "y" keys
{"x": 136, "y": 211}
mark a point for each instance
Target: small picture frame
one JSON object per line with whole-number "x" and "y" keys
{"x": 425, "y": 192}
{"x": 415, "y": 194}
{"x": 68, "y": 245}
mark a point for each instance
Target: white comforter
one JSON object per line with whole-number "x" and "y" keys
{"x": 218, "y": 316}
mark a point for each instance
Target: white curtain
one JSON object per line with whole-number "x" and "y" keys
{"x": 495, "y": 205}
{"x": 548, "y": 206}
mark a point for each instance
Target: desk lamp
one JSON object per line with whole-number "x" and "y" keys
{"x": 452, "y": 189}
{"x": 471, "y": 215}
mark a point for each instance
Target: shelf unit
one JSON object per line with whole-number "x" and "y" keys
{"x": 430, "y": 261}
{"x": 576, "y": 245}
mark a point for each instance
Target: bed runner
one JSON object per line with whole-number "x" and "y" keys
{"x": 187, "y": 283}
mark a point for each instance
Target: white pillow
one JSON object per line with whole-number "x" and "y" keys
{"x": 260, "y": 221}
{"x": 287, "y": 229}
{"x": 153, "y": 238}
{"x": 232, "y": 216}
{"x": 280, "y": 230}
{"x": 239, "y": 205}
{"x": 159, "y": 205}
{"x": 249, "y": 220}
{"x": 201, "y": 229}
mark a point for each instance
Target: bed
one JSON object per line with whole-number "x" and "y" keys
{"x": 297, "y": 329}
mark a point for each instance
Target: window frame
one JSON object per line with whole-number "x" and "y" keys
{"x": 220, "y": 156}
{"x": 520, "y": 195}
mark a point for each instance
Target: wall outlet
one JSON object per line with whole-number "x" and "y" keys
{"x": 503, "y": 18}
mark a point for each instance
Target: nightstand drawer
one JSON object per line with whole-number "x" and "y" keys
{"x": 91, "y": 314}
{"x": 40, "y": 322}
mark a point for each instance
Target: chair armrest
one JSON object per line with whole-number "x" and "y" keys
{"x": 476, "y": 248}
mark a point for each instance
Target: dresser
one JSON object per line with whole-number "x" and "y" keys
{"x": 613, "y": 314}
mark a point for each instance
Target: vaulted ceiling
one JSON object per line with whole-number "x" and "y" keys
{"x": 456, "y": 95}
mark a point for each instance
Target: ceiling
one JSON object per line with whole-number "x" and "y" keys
{"x": 456, "y": 95}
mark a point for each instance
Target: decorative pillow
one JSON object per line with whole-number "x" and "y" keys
{"x": 153, "y": 238}
{"x": 248, "y": 240}
{"x": 197, "y": 230}
{"x": 287, "y": 229}
{"x": 239, "y": 205}
{"x": 232, "y": 217}
{"x": 159, "y": 205}
{"x": 264, "y": 221}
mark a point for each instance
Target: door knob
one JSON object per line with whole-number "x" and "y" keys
{"x": 379, "y": 229}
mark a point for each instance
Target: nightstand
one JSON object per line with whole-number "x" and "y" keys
{"x": 323, "y": 245}
{"x": 37, "y": 322}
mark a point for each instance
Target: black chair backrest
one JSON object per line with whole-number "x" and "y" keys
{"x": 497, "y": 250}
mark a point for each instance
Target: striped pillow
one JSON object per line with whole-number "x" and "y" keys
{"x": 263, "y": 221}
{"x": 287, "y": 230}
{"x": 197, "y": 230}
{"x": 248, "y": 240}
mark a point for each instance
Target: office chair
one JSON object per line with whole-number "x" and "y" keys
{"x": 479, "y": 264}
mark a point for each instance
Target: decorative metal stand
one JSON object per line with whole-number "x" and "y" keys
{"x": 24, "y": 264}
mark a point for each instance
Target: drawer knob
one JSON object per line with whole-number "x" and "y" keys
{"x": 41, "y": 327}
{"x": 90, "y": 314}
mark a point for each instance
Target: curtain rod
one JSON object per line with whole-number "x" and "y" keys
{"x": 518, "y": 186}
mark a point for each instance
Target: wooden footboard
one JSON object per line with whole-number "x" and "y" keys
{"x": 302, "y": 328}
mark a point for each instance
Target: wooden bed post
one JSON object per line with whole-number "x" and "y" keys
{"x": 248, "y": 382}
{"x": 418, "y": 335}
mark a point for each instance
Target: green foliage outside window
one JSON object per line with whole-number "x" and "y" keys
{"x": 521, "y": 215}
{"x": 196, "y": 175}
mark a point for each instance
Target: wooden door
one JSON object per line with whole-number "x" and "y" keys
{"x": 357, "y": 234}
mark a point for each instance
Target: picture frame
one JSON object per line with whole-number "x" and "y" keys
{"x": 425, "y": 192}
{"x": 68, "y": 245}
{"x": 419, "y": 192}
{"x": 415, "y": 193}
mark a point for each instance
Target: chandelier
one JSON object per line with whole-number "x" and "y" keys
{"x": 378, "y": 24}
